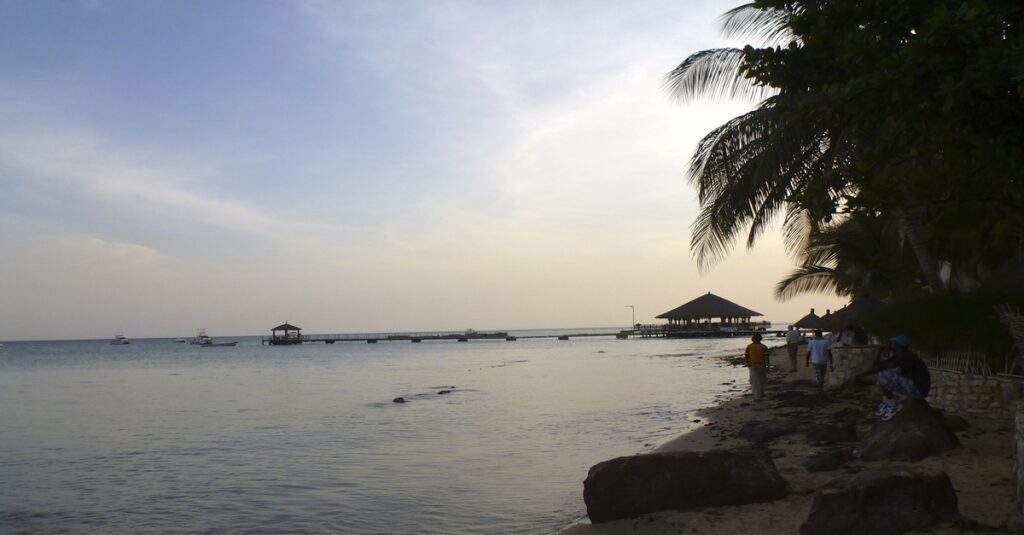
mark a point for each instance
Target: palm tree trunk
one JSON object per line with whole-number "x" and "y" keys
{"x": 911, "y": 231}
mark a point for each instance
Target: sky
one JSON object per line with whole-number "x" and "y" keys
{"x": 361, "y": 166}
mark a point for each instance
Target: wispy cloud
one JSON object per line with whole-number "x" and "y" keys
{"x": 137, "y": 180}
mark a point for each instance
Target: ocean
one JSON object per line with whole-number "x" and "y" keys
{"x": 158, "y": 436}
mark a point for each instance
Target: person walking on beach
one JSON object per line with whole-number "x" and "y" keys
{"x": 793, "y": 340}
{"x": 902, "y": 373}
{"x": 756, "y": 357}
{"x": 819, "y": 353}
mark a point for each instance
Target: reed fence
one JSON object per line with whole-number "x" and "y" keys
{"x": 966, "y": 362}
{"x": 1014, "y": 322}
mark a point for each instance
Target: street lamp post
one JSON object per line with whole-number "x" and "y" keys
{"x": 632, "y": 309}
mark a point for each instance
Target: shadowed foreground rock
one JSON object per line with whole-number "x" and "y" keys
{"x": 760, "y": 431}
{"x": 628, "y": 487}
{"x": 826, "y": 461}
{"x": 918, "y": 431}
{"x": 832, "y": 433}
{"x": 883, "y": 502}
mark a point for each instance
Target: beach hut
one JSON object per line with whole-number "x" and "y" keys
{"x": 700, "y": 313}
{"x": 290, "y": 335}
{"x": 850, "y": 316}
{"x": 810, "y": 321}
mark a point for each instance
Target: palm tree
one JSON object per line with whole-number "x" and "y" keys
{"x": 861, "y": 256}
{"x": 764, "y": 162}
{"x": 777, "y": 159}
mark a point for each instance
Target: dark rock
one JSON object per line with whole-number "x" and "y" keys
{"x": 628, "y": 487}
{"x": 761, "y": 431}
{"x": 883, "y": 502}
{"x": 399, "y": 399}
{"x": 845, "y": 413}
{"x": 826, "y": 461}
{"x": 830, "y": 434}
{"x": 916, "y": 432}
{"x": 955, "y": 422}
{"x": 442, "y": 392}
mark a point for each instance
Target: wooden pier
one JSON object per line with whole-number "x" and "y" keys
{"x": 373, "y": 338}
{"x": 643, "y": 331}
{"x": 704, "y": 331}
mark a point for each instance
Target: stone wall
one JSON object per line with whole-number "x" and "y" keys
{"x": 952, "y": 391}
{"x": 965, "y": 393}
{"x": 849, "y": 362}
{"x": 1018, "y": 469}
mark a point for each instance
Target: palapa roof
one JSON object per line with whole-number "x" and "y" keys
{"x": 851, "y": 315}
{"x": 286, "y": 327}
{"x": 708, "y": 305}
{"x": 810, "y": 321}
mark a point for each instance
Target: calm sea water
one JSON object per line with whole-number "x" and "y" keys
{"x": 164, "y": 437}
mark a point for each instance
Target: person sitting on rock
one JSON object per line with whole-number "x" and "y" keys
{"x": 902, "y": 373}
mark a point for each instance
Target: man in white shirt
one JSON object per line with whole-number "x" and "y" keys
{"x": 819, "y": 353}
{"x": 793, "y": 339}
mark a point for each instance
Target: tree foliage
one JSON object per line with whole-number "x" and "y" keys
{"x": 908, "y": 114}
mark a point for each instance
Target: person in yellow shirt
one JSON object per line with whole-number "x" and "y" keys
{"x": 756, "y": 357}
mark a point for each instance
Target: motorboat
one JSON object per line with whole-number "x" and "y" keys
{"x": 179, "y": 340}
{"x": 204, "y": 340}
{"x": 120, "y": 339}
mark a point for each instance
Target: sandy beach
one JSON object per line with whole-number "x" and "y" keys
{"x": 980, "y": 469}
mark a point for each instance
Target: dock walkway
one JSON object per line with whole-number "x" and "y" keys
{"x": 373, "y": 338}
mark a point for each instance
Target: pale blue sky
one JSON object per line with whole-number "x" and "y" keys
{"x": 353, "y": 166}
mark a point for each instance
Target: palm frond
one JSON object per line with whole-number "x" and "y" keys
{"x": 797, "y": 228}
{"x": 715, "y": 74}
{"x": 763, "y": 27}
{"x": 808, "y": 279}
{"x": 747, "y": 172}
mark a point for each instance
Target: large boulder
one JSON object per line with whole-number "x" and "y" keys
{"x": 830, "y": 434}
{"x": 628, "y": 487}
{"x": 764, "y": 431}
{"x": 826, "y": 461}
{"x": 916, "y": 432}
{"x": 955, "y": 422}
{"x": 883, "y": 502}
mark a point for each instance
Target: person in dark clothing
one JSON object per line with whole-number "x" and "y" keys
{"x": 902, "y": 373}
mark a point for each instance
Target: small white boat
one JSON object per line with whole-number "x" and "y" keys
{"x": 179, "y": 340}
{"x": 120, "y": 339}
{"x": 204, "y": 340}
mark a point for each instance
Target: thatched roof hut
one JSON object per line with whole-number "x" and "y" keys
{"x": 708, "y": 307}
{"x": 810, "y": 321}
{"x": 289, "y": 335}
{"x": 850, "y": 316}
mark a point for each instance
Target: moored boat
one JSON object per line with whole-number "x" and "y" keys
{"x": 204, "y": 340}
{"x": 120, "y": 339}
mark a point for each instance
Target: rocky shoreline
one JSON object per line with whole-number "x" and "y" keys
{"x": 841, "y": 468}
